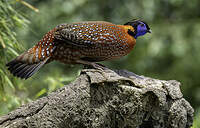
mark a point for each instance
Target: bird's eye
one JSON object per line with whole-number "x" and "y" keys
{"x": 142, "y": 25}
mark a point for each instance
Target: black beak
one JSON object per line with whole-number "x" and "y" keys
{"x": 149, "y": 31}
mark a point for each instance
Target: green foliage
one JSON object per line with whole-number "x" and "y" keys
{"x": 196, "y": 123}
{"x": 9, "y": 47}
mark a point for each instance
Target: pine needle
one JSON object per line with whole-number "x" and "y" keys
{"x": 28, "y": 5}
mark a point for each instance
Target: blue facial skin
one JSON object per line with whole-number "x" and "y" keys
{"x": 141, "y": 30}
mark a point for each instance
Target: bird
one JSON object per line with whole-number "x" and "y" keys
{"x": 86, "y": 43}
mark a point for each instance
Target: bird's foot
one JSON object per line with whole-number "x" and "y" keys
{"x": 100, "y": 68}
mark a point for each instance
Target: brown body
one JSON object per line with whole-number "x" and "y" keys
{"x": 76, "y": 43}
{"x": 93, "y": 42}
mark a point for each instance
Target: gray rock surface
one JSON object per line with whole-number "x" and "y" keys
{"x": 106, "y": 99}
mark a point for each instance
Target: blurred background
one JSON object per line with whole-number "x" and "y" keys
{"x": 171, "y": 52}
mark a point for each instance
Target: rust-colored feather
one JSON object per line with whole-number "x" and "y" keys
{"x": 83, "y": 42}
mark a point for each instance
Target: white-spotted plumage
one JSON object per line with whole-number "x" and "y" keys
{"x": 84, "y": 42}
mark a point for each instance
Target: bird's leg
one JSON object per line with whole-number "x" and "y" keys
{"x": 100, "y": 68}
{"x": 93, "y": 64}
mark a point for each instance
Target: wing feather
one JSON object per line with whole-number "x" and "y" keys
{"x": 87, "y": 34}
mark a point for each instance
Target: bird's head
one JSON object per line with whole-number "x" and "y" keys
{"x": 140, "y": 28}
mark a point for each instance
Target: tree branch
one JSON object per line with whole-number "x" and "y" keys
{"x": 107, "y": 99}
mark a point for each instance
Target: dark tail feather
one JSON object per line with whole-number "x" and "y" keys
{"x": 24, "y": 70}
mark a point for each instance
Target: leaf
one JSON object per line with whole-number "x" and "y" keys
{"x": 2, "y": 42}
{"x": 7, "y": 80}
{"x": 13, "y": 51}
{"x": 40, "y": 93}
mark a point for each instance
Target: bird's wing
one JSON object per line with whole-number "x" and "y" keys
{"x": 87, "y": 34}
